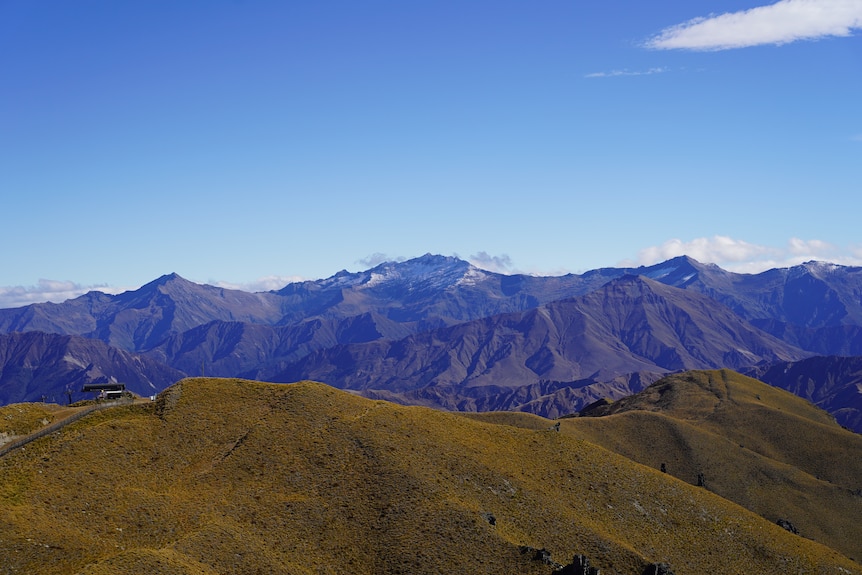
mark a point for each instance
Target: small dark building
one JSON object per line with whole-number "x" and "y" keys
{"x": 105, "y": 390}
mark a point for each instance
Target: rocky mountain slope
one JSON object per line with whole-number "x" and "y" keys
{"x": 36, "y": 365}
{"x": 230, "y": 476}
{"x": 630, "y": 325}
{"x": 138, "y": 320}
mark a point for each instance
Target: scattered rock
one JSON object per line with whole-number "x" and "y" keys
{"x": 785, "y": 524}
{"x": 580, "y": 565}
{"x": 542, "y": 555}
{"x": 658, "y": 569}
{"x": 489, "y": 517}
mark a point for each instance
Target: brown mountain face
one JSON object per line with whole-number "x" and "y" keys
{"x": 226, "y": 348}
{"x": 548, "y": 398}
{"x": 141, "y": 319}
{"x": 630, "y": 325}
{"x": 231, "y": 476}
{"x": 761, "y": 447}
{"x": 52, "y": 365}
{"x": 138, "y": 320}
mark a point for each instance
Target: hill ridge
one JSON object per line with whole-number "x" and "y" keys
{"x": 239, "y": 476}
{"x": 760, "y": 446}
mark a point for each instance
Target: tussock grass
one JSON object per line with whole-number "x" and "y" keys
{"x": 23, "y": 418}
{"x": 232, "y": 476}
{"x": 756, "y": 445}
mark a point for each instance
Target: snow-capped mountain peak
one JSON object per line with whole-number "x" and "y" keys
{"x": 428, "y": 271}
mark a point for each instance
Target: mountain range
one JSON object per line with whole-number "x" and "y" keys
{"x": 438, "y": 331}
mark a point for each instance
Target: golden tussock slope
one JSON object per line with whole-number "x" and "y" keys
{"x": 23, "y": 418}
{"x": 759, "y": 446}
{"x": 232, "y": 476}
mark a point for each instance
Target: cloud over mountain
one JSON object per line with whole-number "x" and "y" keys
{"x": 780, "y": 23}
{"x": 744, "y": 257}
{"x": 484, "y": 260}
{"x": 46, "y": 290}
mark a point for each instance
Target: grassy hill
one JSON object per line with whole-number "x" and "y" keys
{"x": 23, "y": 418}
{"x": 759, "y": 446}
{"x": 233, "y": 476}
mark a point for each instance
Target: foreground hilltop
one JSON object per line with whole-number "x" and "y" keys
{"x": 233, "y": 476}
{"x": 764, "y": 448}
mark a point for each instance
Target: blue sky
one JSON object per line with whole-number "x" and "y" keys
{"x": 247, "y": 143}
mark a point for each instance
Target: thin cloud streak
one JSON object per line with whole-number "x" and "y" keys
{"x": 780, "y": 23}
{"x": 617, "y": 73}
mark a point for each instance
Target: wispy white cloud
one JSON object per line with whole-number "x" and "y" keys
{"x": 499, "y": 264}
{"x": 617, "y": 73}
{"x": 744, "y": 257}
{"x": 780, "y": 23}
{"x": 47, "y": 291}
{"x": 708, "y": 250}
{"x": 378, "y": 258}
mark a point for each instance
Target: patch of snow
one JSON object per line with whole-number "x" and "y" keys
{"x": 661, "y": 272}
{"x": 427, "y": 272}
{"x": 746, "y": 353}
{"x": 688, "y": 277}
{"x": 818, "y": 269}
{"x": 343, "y": 279}
{"x": 473, "y": 276}
{"x": 374, "y": 280}
{"x": 74, "y": 361}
